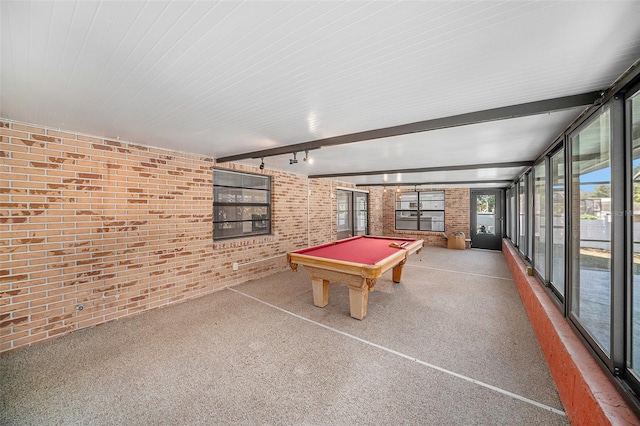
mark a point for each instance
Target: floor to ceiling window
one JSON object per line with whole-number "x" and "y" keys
{"x": 522, "y": 215}
{"x": 591, "y": 229}
{"x": 512, "y": 212}
{"x": 556, "y": 278}
{"x": 633, "y": 106}
{"x": 539, "y": 218}
{"x": 576, "y": 215}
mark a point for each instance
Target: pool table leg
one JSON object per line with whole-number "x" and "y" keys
{"x": 358, "y": 301}
{"x": 397, "y": 271}
{"x": 320, "y": 292}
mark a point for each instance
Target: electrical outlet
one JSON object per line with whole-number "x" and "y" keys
{"x": 234, "y": 266}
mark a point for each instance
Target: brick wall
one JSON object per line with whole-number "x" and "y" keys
{"x": 322, "y": 211}
{"x": 120, "y": 228}
{"x": 376, "y": 211}
{"x": 115, "y": 228}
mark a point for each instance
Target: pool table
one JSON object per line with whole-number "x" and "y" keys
{"x": 356, "y": 262}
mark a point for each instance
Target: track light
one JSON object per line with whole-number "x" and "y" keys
{"x": 293, "y": 160}
{"x": 307, "y": 159}
{"x": 261, "y": 163}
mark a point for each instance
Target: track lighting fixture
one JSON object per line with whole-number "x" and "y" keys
{"x": 293, "y": 160}
{"x": 307, "y": 159}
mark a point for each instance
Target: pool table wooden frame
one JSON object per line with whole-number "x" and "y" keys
{"x": 359, "y": 277}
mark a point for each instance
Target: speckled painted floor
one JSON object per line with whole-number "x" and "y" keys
{"x": 449, "y": 345}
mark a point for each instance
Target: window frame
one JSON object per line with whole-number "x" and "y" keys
{"x": 352, "y": 212}
{"x": 522, "y": 203}
{"x": 558, "y": 152}
{"x": 631, "y": 375}
{"x": 606, "y": 354}
{"x": 540, "y": 218}
{"x": 409, "y": 214}
{"x": 255, "y": 229}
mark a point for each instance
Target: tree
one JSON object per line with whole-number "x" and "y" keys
{"x": 486, "y": 203}
{"x": 601, "y": 191}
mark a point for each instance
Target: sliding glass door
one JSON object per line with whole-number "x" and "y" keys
{"x": 352, "y": 213}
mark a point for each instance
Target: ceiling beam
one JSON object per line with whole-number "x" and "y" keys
{"x": 504, "y": 182}
{"x": 502, "y": 113}
{"x": 430, "y": 169}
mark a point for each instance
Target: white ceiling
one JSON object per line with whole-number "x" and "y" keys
{"x": 227, "y": 78}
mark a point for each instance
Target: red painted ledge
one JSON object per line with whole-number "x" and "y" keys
{"x": 587, "y": 393}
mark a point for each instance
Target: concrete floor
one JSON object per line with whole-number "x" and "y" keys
{"x": 449, "y": 345}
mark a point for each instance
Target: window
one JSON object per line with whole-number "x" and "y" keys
{"x": 345, "y": 214}
{"x": 361, "y": 213}
{"x": 511, "y": 214}
{"x": 522, "y": 218}
{"x": 634, "y": 352}
{"x": 558, "y": 214}
{"x": 539, "y": 218}
{"x": 420, "y": 211}
{"x": 591, "y": 229}
{"x": 241, "y": 204}
{"x": 352, "y": 213}
{"x": 485, "y": 214}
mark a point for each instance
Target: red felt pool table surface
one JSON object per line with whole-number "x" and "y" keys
{"x": 367, "y": 250}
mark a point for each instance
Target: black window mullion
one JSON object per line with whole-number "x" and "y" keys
{"x": 419, "y": 210}
{"x": 618, "y": 236}
{"x": 257, "y": 184}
